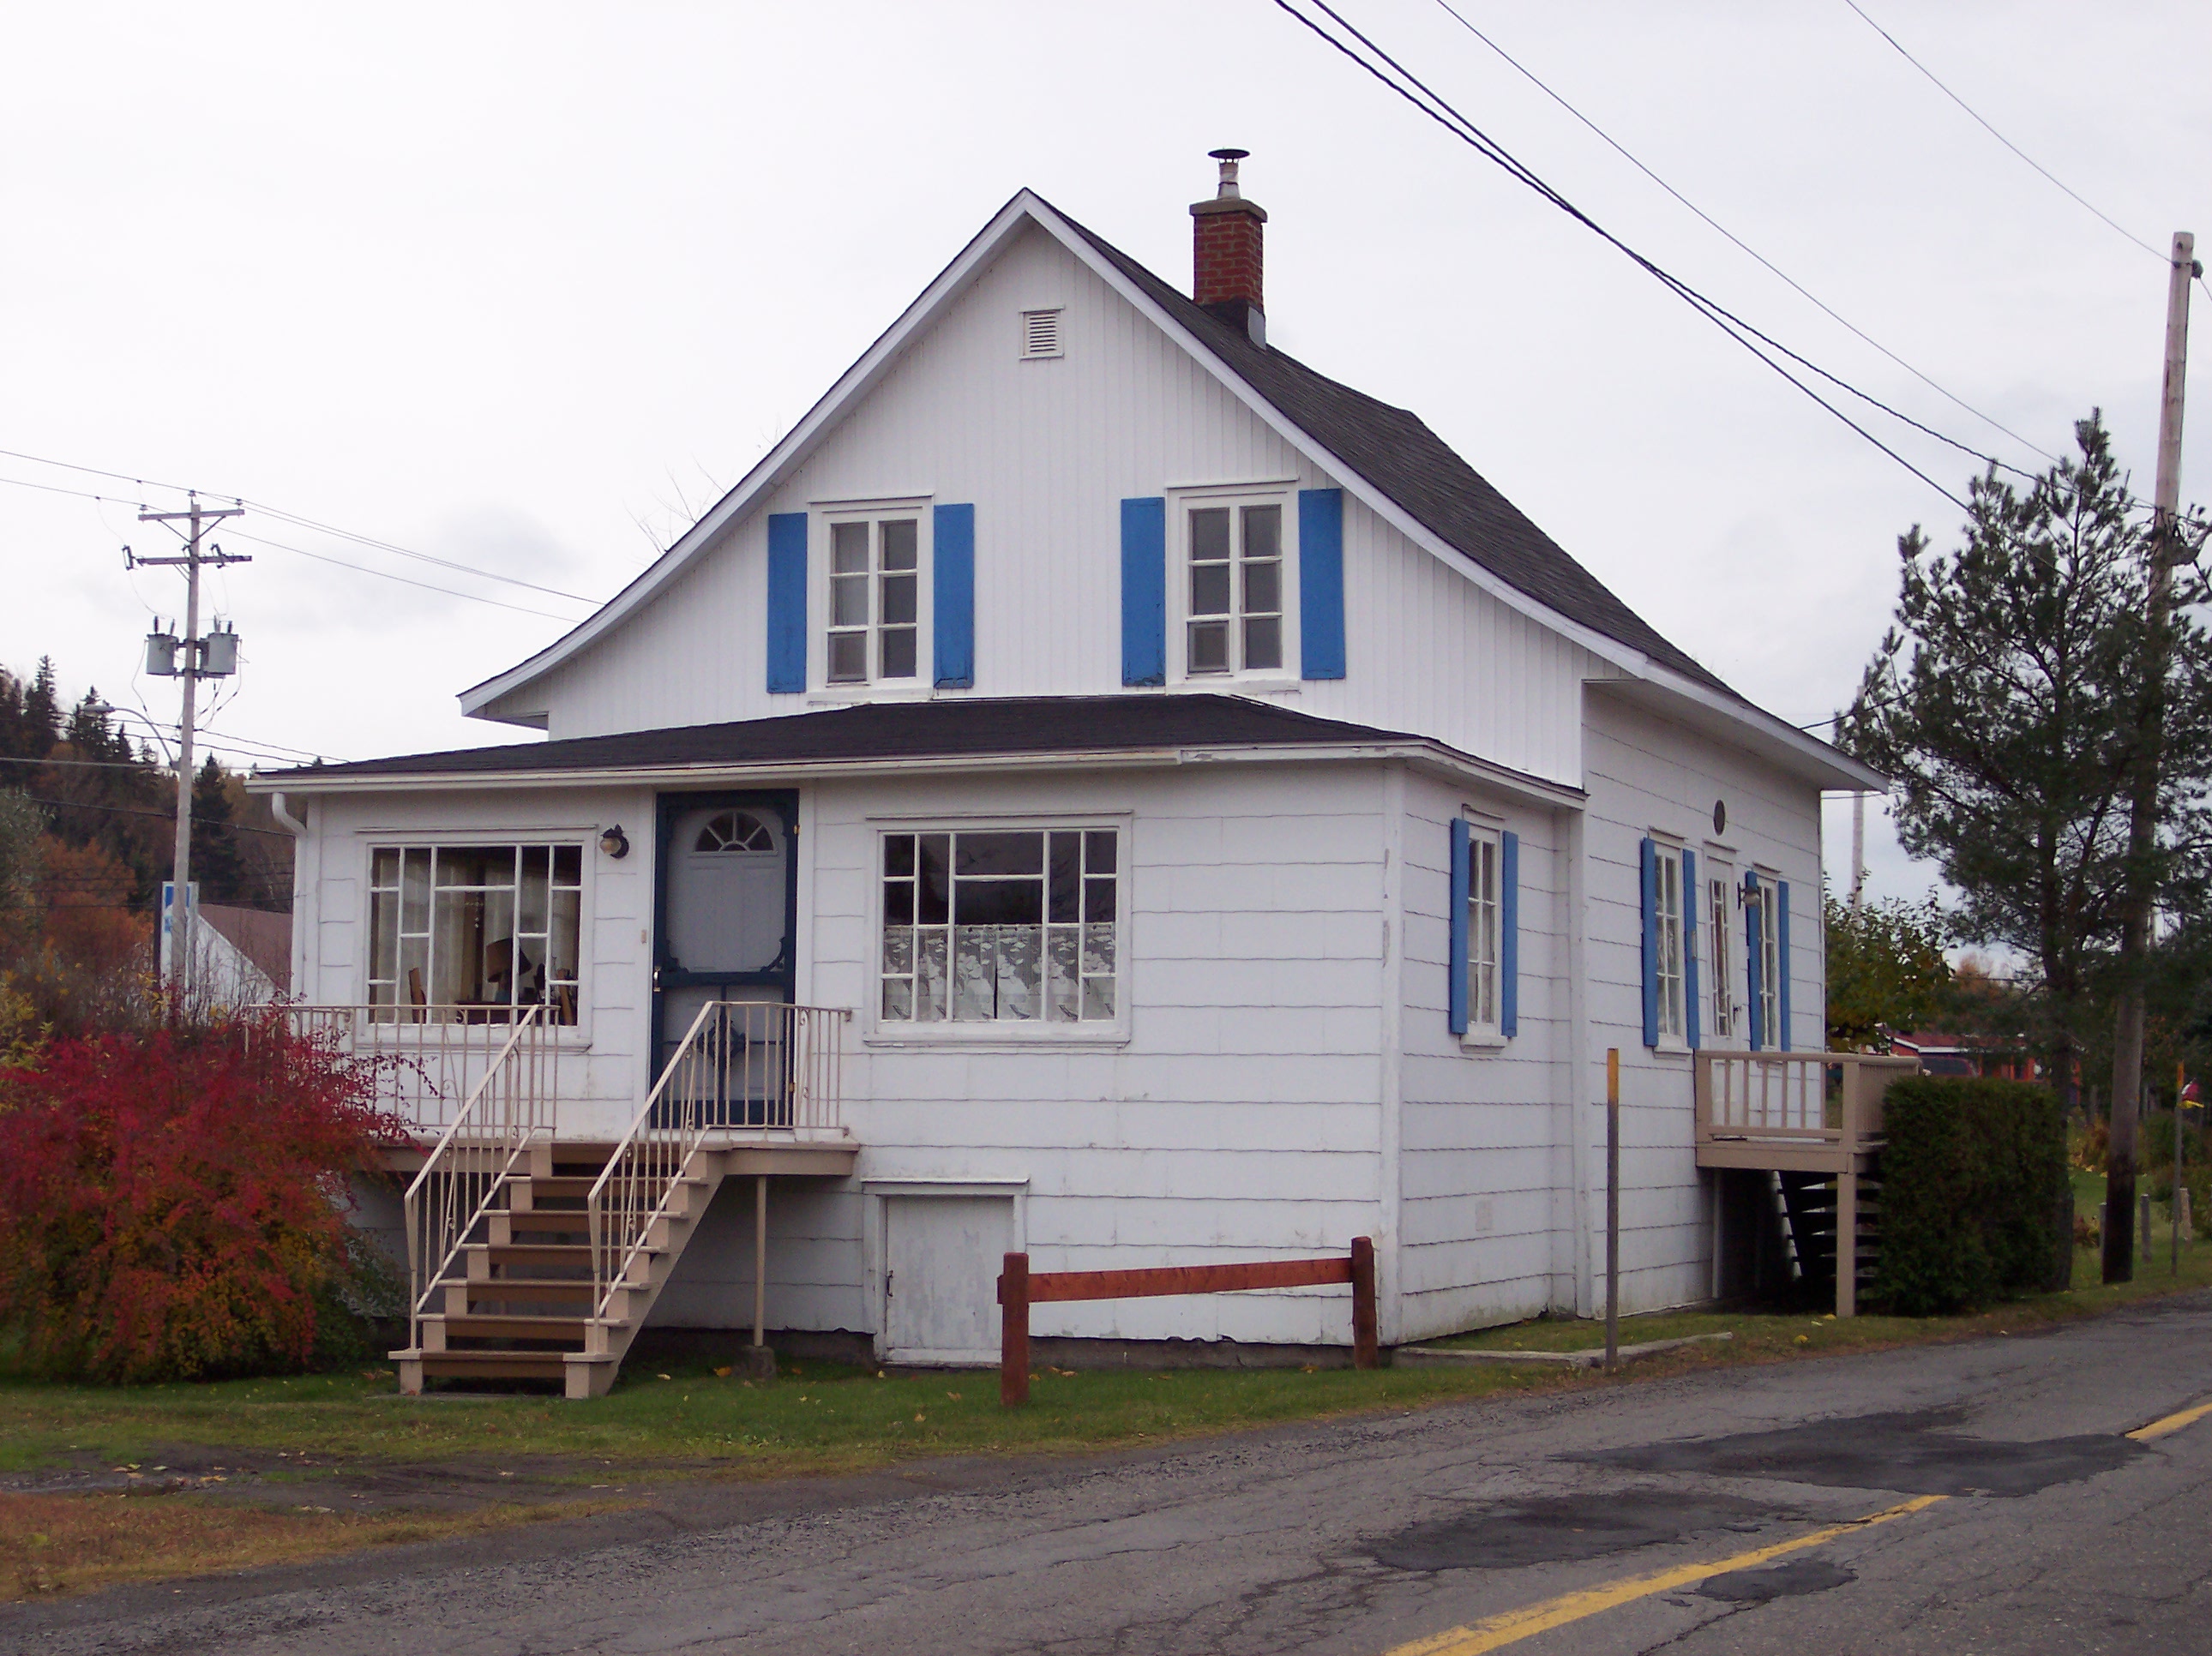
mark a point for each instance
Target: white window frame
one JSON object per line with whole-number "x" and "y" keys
{"x": 1773, "y": 1037}
{"x": 1720, "y": 909}
{"x": 1485, "y": 854}
{"x": 822, "y": 577}
{"x": 369, "y": 843}
{"x": 878, "y": 1031}
{"x": 1181, "y": 502}
{"x": 1668, "y": 970}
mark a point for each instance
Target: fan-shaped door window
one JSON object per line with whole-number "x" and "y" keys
{"x": 735, "y": 830}
{"x": 726, "y": 889}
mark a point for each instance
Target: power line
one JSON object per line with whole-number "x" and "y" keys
{"x": 1742, "y": 332}
{"x": 160, "y": 815}
{"x": 1806, "y": 292}
{"x": 319, "y": 557}
{"x": 2162, "y": 257}
{"x": 303, "y": 522}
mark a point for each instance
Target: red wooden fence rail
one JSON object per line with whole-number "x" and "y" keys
{"x": 1019, "y": 1289}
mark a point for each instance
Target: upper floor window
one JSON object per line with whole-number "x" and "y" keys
{"x": 475, "y": 931}
{"x": 875, "y": 600}
{"x": 1234, "y": 622}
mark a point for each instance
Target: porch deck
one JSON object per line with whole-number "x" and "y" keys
{"x": 1802, "y": 1113}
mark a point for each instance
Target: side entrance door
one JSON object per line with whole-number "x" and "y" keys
{"x": 942, "y": 1256}
{"x": 726, "y": 910}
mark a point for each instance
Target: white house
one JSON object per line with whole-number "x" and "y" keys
{"x": 1211, "y": 822}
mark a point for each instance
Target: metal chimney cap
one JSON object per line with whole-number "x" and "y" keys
{"x": 1228, "y": 158}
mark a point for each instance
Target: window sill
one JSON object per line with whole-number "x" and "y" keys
{"x": 1482, "y": 1044}
{"x": 1672, "y": 1047}
{"x": 846, "y": 696}
{"x": 979, "y": 1038}
{"x": 1239, "y": 683}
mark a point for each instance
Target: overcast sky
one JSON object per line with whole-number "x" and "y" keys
{"x": 527, "y": 286}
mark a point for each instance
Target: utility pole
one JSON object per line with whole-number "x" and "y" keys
{"x": 2142, "y": 825}
{"x": 1858, "y": 850}
{"x": 200, "y": 661}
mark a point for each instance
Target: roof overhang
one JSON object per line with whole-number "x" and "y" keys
{"x": 1660, "y": 690}
{"x": 1431, "y": 758}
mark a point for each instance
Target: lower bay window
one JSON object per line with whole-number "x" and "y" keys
{"x": 1000, "y": 926}
{"x": 484, "y": 929}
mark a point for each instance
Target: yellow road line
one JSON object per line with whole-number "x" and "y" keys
{"x": 2173, "y": 1422}
{"x": 1514, "y": 1625}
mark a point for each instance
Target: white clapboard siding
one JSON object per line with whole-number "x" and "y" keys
{"x": 1046, "y": 451}
{"x": 1647, "y": 775}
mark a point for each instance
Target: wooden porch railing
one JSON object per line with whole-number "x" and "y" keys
{"x": 431, "y": 1058}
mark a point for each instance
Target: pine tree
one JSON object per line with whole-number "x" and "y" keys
{"x": 217, "y": 866}
{"x": 42, "y": 713}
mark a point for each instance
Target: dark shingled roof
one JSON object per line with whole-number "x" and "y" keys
{"x": 1392, "y": 449}
{"x": 900, "y": 730}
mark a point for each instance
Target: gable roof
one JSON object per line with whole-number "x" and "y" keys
{"x": 1386, "y": 456}
{"x": 908, "y": 734}
{"x": 1395, "y": 450}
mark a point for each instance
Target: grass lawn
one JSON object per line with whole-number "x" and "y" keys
{"x": 257, "y": 1471}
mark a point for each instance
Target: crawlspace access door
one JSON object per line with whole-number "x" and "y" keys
{"x": 942, "y": 1256}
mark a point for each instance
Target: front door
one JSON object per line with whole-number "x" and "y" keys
{"x": 942, "y": 1256}
{"x": 725, "y": 912}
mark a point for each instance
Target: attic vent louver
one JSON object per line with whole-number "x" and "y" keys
{"x": 1040, "y": 334}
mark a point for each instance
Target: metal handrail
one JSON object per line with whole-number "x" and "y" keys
{"x": 743, "y": 1067}
{"x": 431, "y": 1058}
{"x": 514, "y": 1101}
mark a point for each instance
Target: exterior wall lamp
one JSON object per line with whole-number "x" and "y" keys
{"x": 615, "y": 843}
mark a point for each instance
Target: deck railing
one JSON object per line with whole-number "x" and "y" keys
{"x": 1831, "y": 1100}
{"x": 755, "y": 1070}
{"x": 429, "y": 1059}
{"x": 511, "y": 1107}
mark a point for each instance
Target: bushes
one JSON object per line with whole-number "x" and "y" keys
{"x": 172, "y": 1202}
{"x": 1975, "y": 1201}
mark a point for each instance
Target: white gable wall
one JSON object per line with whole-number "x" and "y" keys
{"x": 1046, "y": 451}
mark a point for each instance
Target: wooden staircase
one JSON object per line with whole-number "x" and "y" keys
{"x": 517, "y": 1301}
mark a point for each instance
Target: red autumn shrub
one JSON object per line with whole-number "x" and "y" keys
{"x": 174, "y": 1202}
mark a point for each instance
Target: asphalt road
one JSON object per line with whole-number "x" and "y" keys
{"x": 2051, "y": 1530}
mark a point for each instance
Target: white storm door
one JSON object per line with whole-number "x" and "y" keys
{"x": 942, "y": 1256}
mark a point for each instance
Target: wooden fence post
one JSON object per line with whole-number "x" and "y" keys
{"x": 1014, "y": 1331}
{"x": 1363, "y": 1352}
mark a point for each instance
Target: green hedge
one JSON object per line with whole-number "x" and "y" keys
{"x": 1975, "y": 1202}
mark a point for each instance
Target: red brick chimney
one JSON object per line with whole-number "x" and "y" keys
{"x": 1225, "y": 247}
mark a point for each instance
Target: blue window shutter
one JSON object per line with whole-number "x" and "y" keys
{"x": 1320, "y": 583}
{"x": 1690, "y": 947}
{"x": 1145, "y": 590}
{"x": 1650, "y": 944}
{"x": 1509, "y": 936}
{"x": 1751, "y": 972}
{"x": 952, "y": 550}
{"x": 787, "y": 603}
{"x": 1457, "y": 994}
{"x": 1782, "y": 959}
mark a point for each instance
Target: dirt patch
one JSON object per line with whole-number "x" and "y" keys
{"x": 1564, "y": 1529}
{"x": 1910, "y": 1454}
{"x": 52, "y": 1544}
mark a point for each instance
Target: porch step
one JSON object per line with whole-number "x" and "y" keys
{"x": 521, "y": 1305}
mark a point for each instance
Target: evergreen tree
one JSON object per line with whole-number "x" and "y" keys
{"x": 42, "y": 713}
{"x": 2002, "y": 704}
{"x": 217, "y": 866}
